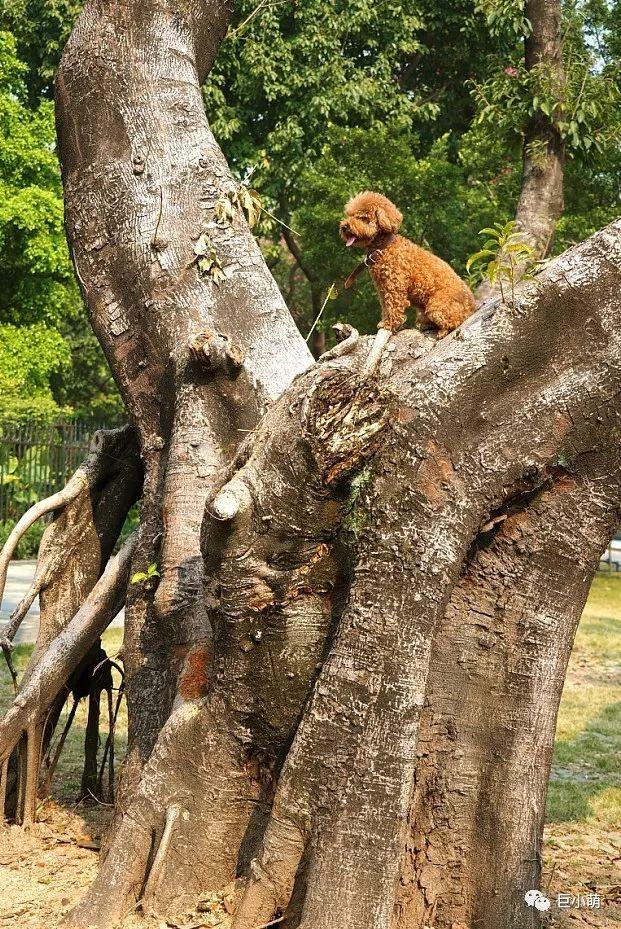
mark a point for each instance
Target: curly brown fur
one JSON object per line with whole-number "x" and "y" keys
{"x": 404, "y": 274}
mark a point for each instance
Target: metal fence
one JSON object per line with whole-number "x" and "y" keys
{"x": 36, "y": 460}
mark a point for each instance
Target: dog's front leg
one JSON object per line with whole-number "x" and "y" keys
{"x": 395, "y": 302}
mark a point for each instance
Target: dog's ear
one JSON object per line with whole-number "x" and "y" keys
{"x": 386, "y": 222}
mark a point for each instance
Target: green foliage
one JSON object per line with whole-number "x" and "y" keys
{"x": 286, "y": 75}
{"x": 29, "y": 357}
{"x": 583, "y": 107}
{"x": 42, "y": 319}
{"x": 146, "y": 577}
{"x": 28, "y": 545}
{"x": 504, "y": 17}
{"x": 36, "y": 278}
{"x": 41, "y": 28}
{"x": 505, "y": 258}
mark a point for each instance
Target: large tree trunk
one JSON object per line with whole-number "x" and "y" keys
{"x": 369, "y": 583}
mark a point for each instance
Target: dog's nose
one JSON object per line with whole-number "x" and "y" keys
{"x": 345, "y": 225}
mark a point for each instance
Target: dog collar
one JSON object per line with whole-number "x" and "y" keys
{"x": 379, "y": 244}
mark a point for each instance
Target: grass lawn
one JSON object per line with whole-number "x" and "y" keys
{"x": 586, "y": 775}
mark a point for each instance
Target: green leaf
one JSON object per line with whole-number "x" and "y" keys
{"x": 138, "y": 577}
{"x": 478, "y": 256}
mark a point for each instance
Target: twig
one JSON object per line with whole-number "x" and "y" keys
{"x": 279, "y": 221}
{"x": 320, "y": 313}
{"x": 68, "y": 648}
{"x": 264, "y": 4}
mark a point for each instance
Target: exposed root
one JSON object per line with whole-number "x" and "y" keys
{"x": 64, "y": 654}
{"x": 29, "y": 775}
{"x": 4, "y": 775}
{"x": 272, "y": 874}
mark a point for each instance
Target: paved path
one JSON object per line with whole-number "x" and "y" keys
{"x": 18, "y": 580}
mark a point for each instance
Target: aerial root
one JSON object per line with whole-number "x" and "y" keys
{"x": 51, "y": 766}
{"x": 57, "y": 501}
{"x": 67, "y": 650}
{"x": 273, "y": 874}
{"x": 4, "y": 776}
{"x": 108, "y": 752}
{"x": 29, "y": 774}
{"x": 157, "y": 869}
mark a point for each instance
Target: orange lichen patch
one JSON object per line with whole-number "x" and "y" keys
{"x": 437, "y": 474}
{"x": 561, "y": 424}
{"x": 194, "y": 682}
{"x": 406, "y": 414}
{"x": 260, "y": 596}
{"x": 563, "y": 481}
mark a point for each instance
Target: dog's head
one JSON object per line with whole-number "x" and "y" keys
{"x": 367, "y": 215}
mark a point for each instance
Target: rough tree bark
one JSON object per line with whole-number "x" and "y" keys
{"x": 369, "y": 584}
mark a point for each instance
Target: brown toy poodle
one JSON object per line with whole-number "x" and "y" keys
{"x": 403, "y": 273}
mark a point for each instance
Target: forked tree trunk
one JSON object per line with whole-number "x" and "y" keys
{"x": 343, "y": 691}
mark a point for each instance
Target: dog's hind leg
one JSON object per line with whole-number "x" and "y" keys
{"x": 446, "y": 312}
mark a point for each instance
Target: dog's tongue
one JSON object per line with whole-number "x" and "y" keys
{"x": 350, "y": 241}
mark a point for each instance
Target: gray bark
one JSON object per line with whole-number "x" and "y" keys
{"x": 142, "y": 174}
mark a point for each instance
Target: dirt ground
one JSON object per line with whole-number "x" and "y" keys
{"x": 44, "y": 871}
